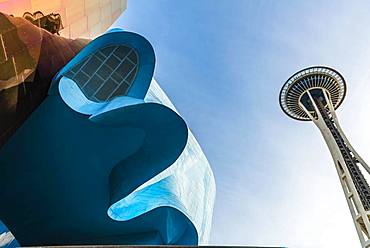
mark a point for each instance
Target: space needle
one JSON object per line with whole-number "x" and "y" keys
{"x": 313, "y": 94}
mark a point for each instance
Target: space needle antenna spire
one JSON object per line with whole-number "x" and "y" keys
{"x": 313, "y": 94}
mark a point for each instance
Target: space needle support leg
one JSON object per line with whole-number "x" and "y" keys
{"x": 364, "y": 215}
{"x": 358, "y": 212}
{"x": 332, "y": 112}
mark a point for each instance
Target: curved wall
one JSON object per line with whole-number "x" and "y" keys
{"x": 127, "y": 171}
{"x": 176, "y": 186}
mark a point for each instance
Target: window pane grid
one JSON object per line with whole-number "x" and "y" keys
{"x": 107, "y": 73}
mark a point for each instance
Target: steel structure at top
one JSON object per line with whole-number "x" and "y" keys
{"x": 312, "y": 77}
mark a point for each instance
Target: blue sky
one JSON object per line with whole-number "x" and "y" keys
{"x": 223, "y": 63}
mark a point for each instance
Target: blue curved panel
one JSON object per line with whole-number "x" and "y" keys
{"x": 175, "y": 186}
{"x": 123, "y": 171}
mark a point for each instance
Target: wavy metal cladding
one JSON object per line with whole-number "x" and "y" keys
{"x": 89, "y": 168}
{"x": 188, "y": 185}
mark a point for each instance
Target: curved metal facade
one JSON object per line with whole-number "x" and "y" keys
{"x": 122, "y": 171}
{"x": 80, "y": 18}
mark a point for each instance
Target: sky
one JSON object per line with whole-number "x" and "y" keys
{"x": 223, "y": 63}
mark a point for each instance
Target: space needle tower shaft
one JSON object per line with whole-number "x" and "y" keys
{"x": 314, "y": 94}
